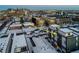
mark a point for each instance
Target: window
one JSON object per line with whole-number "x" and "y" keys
{"x": 17, "y": 50}
{"x": 20, "y": 49}
{"x": 23, "y": 49}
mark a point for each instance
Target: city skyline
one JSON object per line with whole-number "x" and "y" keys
{"x": 41, "y": 7}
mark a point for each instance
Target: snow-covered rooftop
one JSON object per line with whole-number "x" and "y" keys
{"x": 15, "y": 31}
{"x": 41, "y": 46}
{"x": 3, "y": 30}
{"x": 18, "y": 42}
{"x": 4, "y": 42}
{"x": 28, "y": 23}
{"x": 15, "y": 24}
{"x": 65, "y": 30}
{"x": 75, "y": 29}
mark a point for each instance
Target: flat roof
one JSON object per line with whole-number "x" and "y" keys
{"x": 15, "y": 31}
{"x": 18, "y": 41}
{"x": 29, "y": 29}
{"x": 41, "y": 46}
{"x": 4, "y": 42}
{"x": 3, "y": 30}
{"x": 28, "y": 23}
{"x": 15, "y": 24}
{"x": 8, "y": 24}
{"x": 54, "y": 25}
{"x": 75, "y": 29}
{"x": 66, "y": 30}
